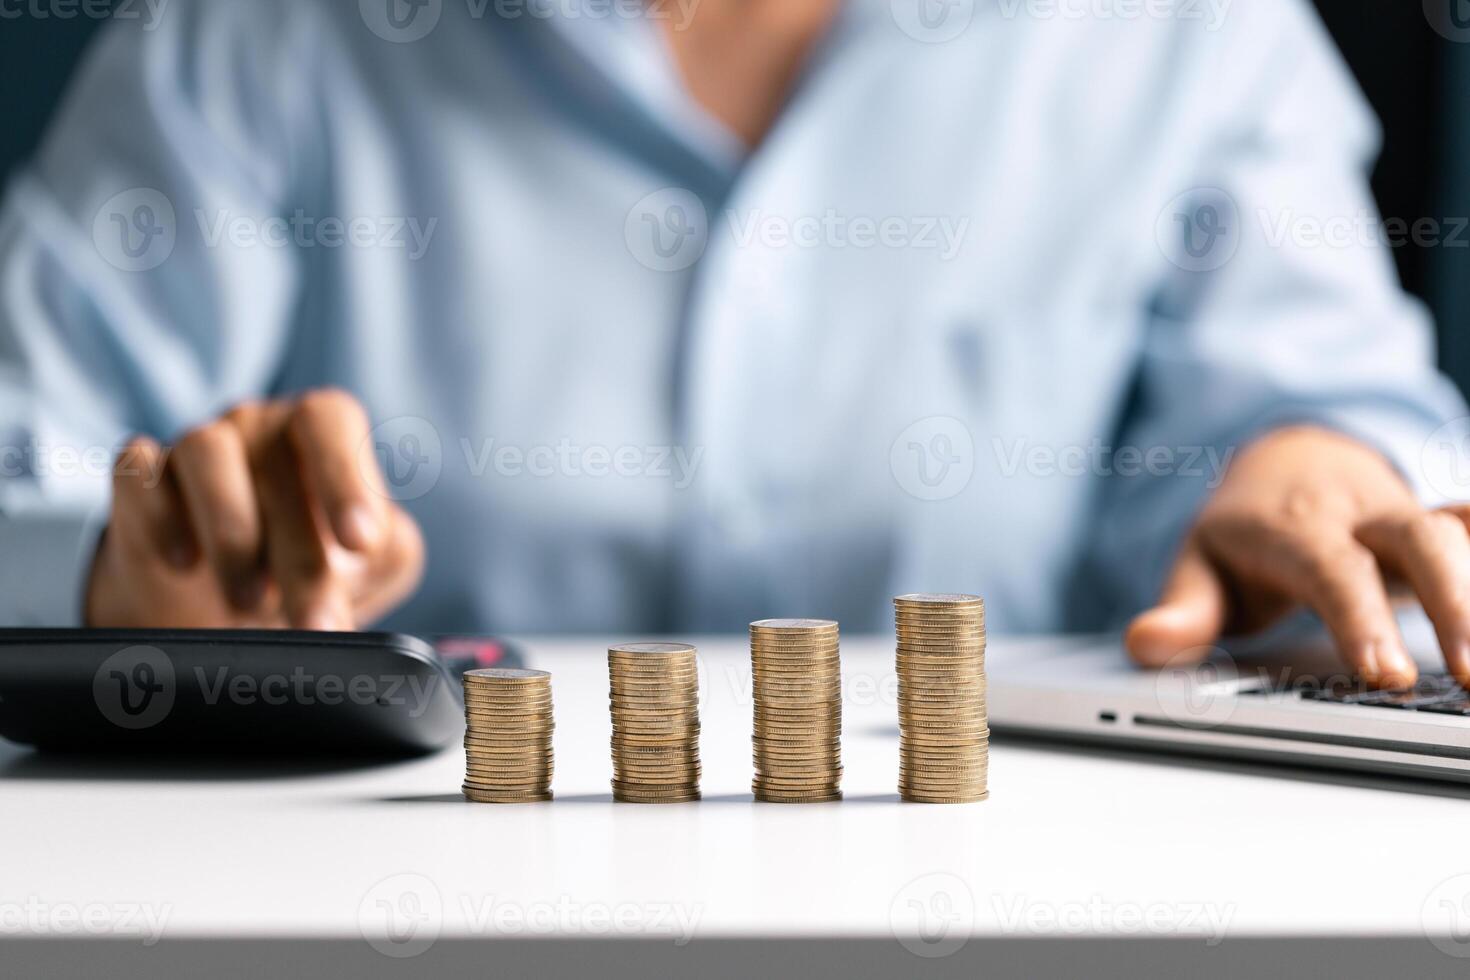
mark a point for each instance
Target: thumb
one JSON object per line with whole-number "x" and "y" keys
{"x": 1190, "y": 614}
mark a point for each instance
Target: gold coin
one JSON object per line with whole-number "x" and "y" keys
{"x": 477, "y": 797}
{"x": 797, "y": 782}
{"x": 655, "y": 648}
{"x": 474, "y": 744}
{"x": 655, "y": 725}
{"x": 653, "y": 686}
{"x": 486, "y": 726}
{"x": 802, "y": 794}
{"x": 657, "y": 776}
{"x": 942, "y": 711}
{"x": 647, "y": 790}
{"x": 539, "y": 760}
{"x": 538, "y": 700}
{"x": 778, "y": 647}
{"x": 509, "y": 716}
{"x": 669, "y": 748}
{"x": 779, "y": 735}
{"x": 941, "y": 700}
{"x": 683, "y": 673}
{"x": 664, "y": 702}
{"x": 938, "y": 599}
{"x": 801, "y": 625}
{"x": 514, "y": 792}
{"x": 655, "y": 738}
{"x": 507, "y": 675}
{"x": 919, "y": 798}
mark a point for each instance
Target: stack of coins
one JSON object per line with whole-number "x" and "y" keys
{"x": 655, "y": 721}
{"x": 944, "y": 734}
{"x": 507, "y": 741}
{"x": 797, "y": 739}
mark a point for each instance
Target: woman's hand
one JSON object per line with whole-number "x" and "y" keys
{"x": 274, "y": 515}
{"x": 1307, "y": 517}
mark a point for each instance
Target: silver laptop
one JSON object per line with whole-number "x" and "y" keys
{"x": 1285, "y": 699}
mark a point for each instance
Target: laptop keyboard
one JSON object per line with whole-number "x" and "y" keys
{"x": 1437, "y": 693}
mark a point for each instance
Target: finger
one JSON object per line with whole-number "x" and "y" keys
{"x": 1341, "y": 581}
{"x": 311, "y": 595}
{"x": 148, "y": 514}
{"x": 213, "y": 471}
{"x": 328, "y": 430}
{"x": 1189, "y": 617}
{"x": 1432, "y": 552}
{"x": 396, "y": 568}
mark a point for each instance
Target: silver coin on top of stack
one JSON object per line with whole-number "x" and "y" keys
{"x": 654, "y": 698}
{"x": 507, "y": 741}
{"x": 797, "y": 738}
{"x": 944, "y": 731}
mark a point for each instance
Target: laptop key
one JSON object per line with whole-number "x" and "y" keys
{"x": 1343, "y": 692}
{"x": 1430, "y": 689}
{"x": 1457, "y": 707}
{"x": 1438, "y": 682}
{"x": 1416, "y": 700}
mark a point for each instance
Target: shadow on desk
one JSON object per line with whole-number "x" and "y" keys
{"x": 22, "y": 763}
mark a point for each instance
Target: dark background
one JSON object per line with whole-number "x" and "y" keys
{"x": 1418, "y": 81}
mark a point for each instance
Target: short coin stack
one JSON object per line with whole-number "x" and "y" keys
{"x": 796, "y": 669}
{"x": 655, "y": 722}
{"x": 944, "y": 734}
{"x": 507, "y": 741}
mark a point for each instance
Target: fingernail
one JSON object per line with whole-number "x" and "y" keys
{"x": 1161, "y": 639}
{"x": 358, "y": 527}
{"x": 1171, "y": 617}
{"x": 1402, "y": 665}
{"x": 1393, "y": 667}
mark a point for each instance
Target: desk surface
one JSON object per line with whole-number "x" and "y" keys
{"x": 1070, "y": 843}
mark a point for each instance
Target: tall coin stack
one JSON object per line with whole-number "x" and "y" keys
{"x": 797, "y": 740}
{"x": 507, "y": 741}
{"x": 944, "y": 733}
{"x": 655, "y": 722}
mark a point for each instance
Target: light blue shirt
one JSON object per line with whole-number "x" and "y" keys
{"x": 989, "y": 310}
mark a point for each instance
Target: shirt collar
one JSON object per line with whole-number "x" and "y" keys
{"x": 634, "y": 54}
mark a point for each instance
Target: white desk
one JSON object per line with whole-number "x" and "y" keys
{"x": 1180, "y": 865}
